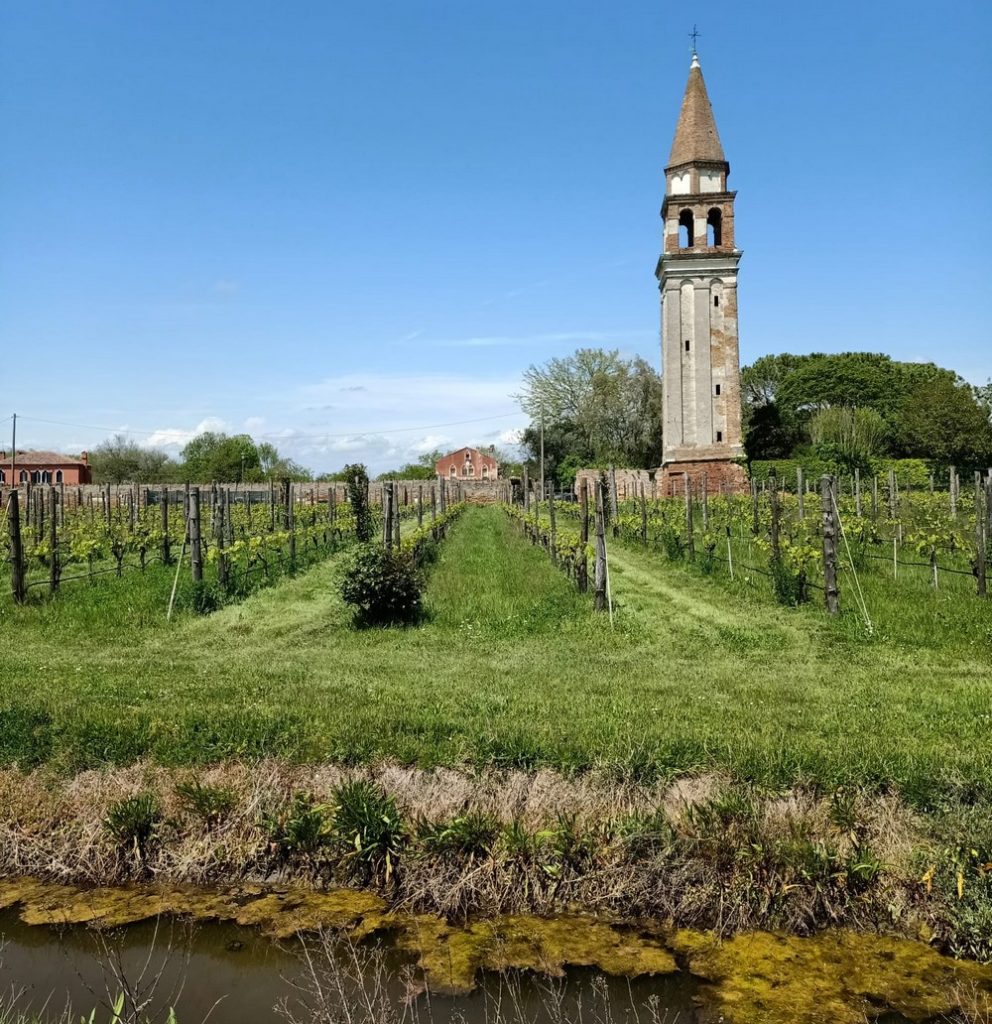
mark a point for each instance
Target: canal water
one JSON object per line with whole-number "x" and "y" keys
{"x": 227, "y": 974}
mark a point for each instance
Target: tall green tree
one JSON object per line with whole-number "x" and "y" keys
{"x": 606, "y": 408}
{"x": 120, "y": 460}
{"x": 944, "y": 423}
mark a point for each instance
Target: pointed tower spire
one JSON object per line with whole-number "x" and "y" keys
{"x": 696, "y": 137}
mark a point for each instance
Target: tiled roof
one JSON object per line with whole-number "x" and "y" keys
{"x": 696, "y": 137}
{"x": 42, "y": 459}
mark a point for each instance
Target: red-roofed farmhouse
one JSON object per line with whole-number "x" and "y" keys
{"x": 45, "y": 468}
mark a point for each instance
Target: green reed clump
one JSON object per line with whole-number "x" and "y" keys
{"x": 134, "y": 822}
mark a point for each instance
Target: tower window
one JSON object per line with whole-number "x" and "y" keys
{"x": 719, "y": 435}
{"x": 714, "y": 227}
{"x": 718, "y": 389}
{"x": 685, "y": 229}
{"x": 716, "y": 300}
{"x": 687, "y": 344}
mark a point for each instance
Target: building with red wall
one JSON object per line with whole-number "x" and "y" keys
{"x": 45, "y": 468}
{"x": 468, "y": 464}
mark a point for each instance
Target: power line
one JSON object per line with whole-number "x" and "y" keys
{"x": 278, "y": 436}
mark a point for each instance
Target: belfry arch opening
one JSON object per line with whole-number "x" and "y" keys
{"x": 685, "y": 229}
{"x": 714, "y": 228}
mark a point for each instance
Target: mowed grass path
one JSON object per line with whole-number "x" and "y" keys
{"x": 512, "y": 668}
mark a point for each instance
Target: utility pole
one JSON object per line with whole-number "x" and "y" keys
{"x": 541, "y": 498}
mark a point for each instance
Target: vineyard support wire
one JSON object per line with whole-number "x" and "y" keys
{"x": 854, "y": 572}
{"x": 175, "y": 581}
{"x": 609, "y": 592}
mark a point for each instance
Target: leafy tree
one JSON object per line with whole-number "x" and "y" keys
{"x": 216, "y": 456}
{"x": 770, "y": 435}
{"x": 943, "y": 423}
{"x": 564, "y": 444}
{"x": 422, "y": 469}
{"x": 119, "y": 460}
{"x": 606, "y": 408}
{"x": 848, "y": 438}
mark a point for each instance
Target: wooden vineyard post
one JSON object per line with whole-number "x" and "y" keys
{"x": 874, "y": 498}
{"x": 829, "y": 545}
{"x": 387, "y": 515}
{"x": 706, "y": 504}
{"x": 857, "y": 493}
{"x": 954, "y": 492}
{"x": 600, "y": 569}
{"x": 53, "y": 542}
{"x": 164, "y": 512}
{"x": 420, "y": 506}
{"x": 776, "y": 520}
{"x": 526, "y": 492}
{"x": 396, "y": 514}
{"x": 614, "y": 506}
{"x": 220, "y": 536}
{"x": 17, "y": 588}
{"x": 433, "y": 503}
{"x": 981, "y": 550}
{"x": 689, "y": 539}
{"x": 291, "y": 524}
{"x": 644, "y": 518}
{"x": 801, "y": 492}
{"x": 583, "y": 569}
{"x": 272, "y": 506}
{"x": 193, "y": 529}
{"x": 755, "y": 521}
{"x": 553, "y": 535}
{"x": 892, "y": 494}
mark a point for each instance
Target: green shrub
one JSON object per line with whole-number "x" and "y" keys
{"x": 384, "y": 587}
{"x": 368, "y": 826}
{"x": 134, "y": 821}
{"x": 790, "y": 586}
{"x": 672, "y": 542}
{"x": 211, "y": 803}
{"x": 302, "y": 828}
{"x": 471, "y": 835}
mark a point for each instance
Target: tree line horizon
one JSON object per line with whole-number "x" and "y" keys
{"x": 831, "y": 412}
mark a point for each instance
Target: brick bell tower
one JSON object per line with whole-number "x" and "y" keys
{"x": 697, "y": 276}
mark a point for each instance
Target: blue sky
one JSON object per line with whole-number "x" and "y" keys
{"x": 325, "y": 223}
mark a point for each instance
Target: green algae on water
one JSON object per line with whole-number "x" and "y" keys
{"x": 834, "y": 977}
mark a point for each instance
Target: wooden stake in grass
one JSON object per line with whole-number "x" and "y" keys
{"x": 553, "y": 537}
{"x": 980, "y": 538}
{"x": 690, "y": 541}
{"x": 164, "y": 512}
{"x": 583, "y": 569}
{"x": 193, "y": 529}
{"x": 53, "y": 543}
{"x": 644, "y": 518}
{"x": 599, "y": 601}
{"x": 829, "y": 545}
{"x": 17, "y": 588}
{"x": 801, "y": 492}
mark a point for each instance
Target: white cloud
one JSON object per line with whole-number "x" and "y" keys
{"x": 176, "y": 437}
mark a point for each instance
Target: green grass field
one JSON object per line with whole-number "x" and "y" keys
{"x": 512, "y": 668}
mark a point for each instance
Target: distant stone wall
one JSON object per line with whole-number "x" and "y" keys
{"x": 629, "y": 481}
{"x": 86, "y": 494}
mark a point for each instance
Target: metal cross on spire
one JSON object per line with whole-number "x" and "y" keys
{"x": 694, "y": 35}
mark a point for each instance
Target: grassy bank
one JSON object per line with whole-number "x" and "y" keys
{"x": 511, "y": 669}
